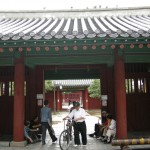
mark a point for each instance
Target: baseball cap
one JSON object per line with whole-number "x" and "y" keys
{"x": 76, "y": 104}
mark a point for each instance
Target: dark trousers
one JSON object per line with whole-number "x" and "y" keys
{"x": 80, "y": 128}
{"x": 97, "y": 129}
{"x": 33, "y": 136}
{"x": 46, "y": 126}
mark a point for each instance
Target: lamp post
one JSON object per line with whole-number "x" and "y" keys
{"x": 60, "y": 86}
{"x": 54, "y": 99}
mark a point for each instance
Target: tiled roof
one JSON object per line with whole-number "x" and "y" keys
{"x": 72, "y": 83}
{"x": 70, "y": 28}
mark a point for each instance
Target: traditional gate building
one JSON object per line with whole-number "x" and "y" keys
{"x": 110, "y": 45}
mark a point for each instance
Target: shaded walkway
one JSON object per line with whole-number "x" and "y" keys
{"x": 93, "y": 144}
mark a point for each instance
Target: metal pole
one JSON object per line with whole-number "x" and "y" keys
{"x": 54, "y": 99}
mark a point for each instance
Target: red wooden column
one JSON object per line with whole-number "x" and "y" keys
{"x": 120, "y": 97}
{"x": 58, "y": 102}
{"x": 86, "y": 99}
{"x": 19, "y": 104}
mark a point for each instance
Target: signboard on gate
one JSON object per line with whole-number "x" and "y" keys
{"x": 40, "y": 102}
{"x": 39, "y": 98}
{"x": 104, "y": 99}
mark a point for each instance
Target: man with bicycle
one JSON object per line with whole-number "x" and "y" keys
{"x": 79, "y": 124}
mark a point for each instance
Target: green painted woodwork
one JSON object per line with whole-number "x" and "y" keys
{"x": 17, "y": 55}
{"x": 72, "y": 74}
{"x": 6, "y": 61}
{"x": 137, "y": 59}
{"x": 71, "y": 56}
{"x": 66, "y": 60}
{"x": 63, "y": 42}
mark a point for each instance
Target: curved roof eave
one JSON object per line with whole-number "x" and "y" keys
{"x": 75, "y": 25}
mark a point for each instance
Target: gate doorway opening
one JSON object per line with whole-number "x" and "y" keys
{"x": 62, "y": 93}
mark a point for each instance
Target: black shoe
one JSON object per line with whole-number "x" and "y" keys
{"x": 54, "y": 140}
{"x": 91, "y": 135}
{"x": 104, "y": 140}
{"x": 107, "y": 142}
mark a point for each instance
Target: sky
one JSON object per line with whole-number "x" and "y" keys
{"x": 69, "y": 4}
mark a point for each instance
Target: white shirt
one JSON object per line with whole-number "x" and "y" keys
{"x": 70, "y": 106}
{"x": 77, "y": 114}
{"x": 112, "y": 125}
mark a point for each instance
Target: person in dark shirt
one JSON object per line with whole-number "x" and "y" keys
{"x": 104, "y": 117}
{"x": 98, "y": 129}
{"x": 35, "y": 124}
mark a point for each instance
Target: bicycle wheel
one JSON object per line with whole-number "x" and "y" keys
{"x": 64, "y": 140}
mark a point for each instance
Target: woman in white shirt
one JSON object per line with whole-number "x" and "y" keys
{"x": 111, "y": 129}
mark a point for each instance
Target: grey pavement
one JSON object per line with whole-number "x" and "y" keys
{"x": 58, "y": 125}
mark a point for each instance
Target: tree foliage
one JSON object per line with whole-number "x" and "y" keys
{"x": 48, "y": 86}
{"x": 94, "y": 89}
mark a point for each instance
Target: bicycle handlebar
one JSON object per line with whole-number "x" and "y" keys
{"x": 68, "y": 119}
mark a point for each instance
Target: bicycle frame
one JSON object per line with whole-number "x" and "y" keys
{"x": 68, "y": 125}
{"x": 65, "y": 136}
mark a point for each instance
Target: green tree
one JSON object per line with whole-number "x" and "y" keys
{"x": 48, "y": 86}
{"x": 94, "y": 89}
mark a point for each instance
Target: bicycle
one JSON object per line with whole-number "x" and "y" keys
{"x": 66, "y": 135}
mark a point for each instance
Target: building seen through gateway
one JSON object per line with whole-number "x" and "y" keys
{"x": 65, "y": 92}
{"x": 112, "y": 45}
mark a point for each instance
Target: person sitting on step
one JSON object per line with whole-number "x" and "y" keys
{"x": 110, "y": 131}
{"x": 98, "y": 129}
{"x": 35, "y": 124}
{"x": 30, "y": 134}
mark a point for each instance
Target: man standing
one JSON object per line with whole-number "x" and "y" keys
{"x": 46, "y": 121}
{"x": 79, "y": 124}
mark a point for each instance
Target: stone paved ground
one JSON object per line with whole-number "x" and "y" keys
{"x": 93, "y": 144}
